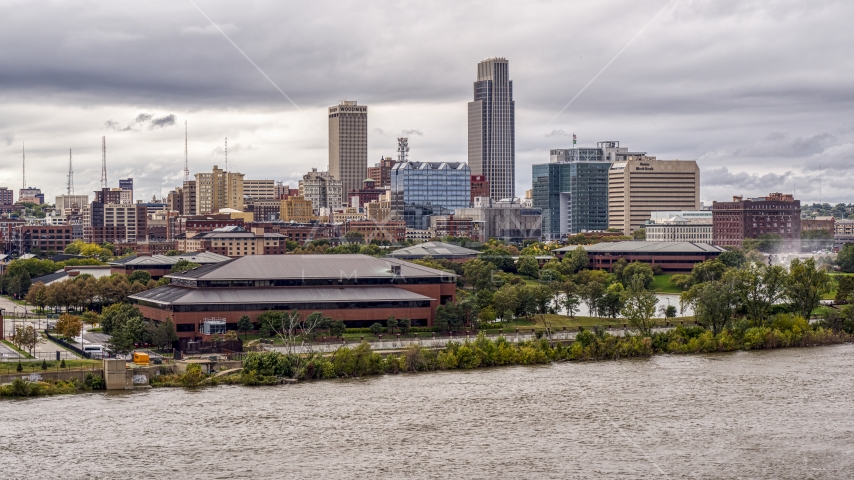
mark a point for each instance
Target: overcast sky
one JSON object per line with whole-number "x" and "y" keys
{"x": 760, "y": 93}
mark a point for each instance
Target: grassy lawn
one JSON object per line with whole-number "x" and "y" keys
{"x": 36, "y": 367}
{"x": 13, "y": 347}
{"x": 661, "y": 284}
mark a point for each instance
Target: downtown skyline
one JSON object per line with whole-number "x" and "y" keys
{"x": 693, "y": 84}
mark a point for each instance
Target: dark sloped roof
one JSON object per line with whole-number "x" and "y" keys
{"x": 435, "y": 250}
{"x": 165, "y": 260}
{"x": 269, "y": 267}
{"x": 177, "y": 295}
{"x": 50, "y": 277}
{"x": 647, "y": 247}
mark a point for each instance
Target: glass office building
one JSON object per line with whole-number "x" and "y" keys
{"x": 422, "y": 189}
{"x": 572, "y": 191}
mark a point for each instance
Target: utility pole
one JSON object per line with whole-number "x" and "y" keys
{"x": 104, "y": 162}
{"x": 186, "y": 168}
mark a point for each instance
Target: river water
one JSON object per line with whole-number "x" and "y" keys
{"x": 771, "y": 414}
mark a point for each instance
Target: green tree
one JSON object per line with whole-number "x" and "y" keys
{"x": 670, "y": 312}
{"x": 639, "y": 306}
{"x": 844, "y": 288}
{"x": 140, "y": 276}
{"x": 354, "y": 236}
{"x": 845, "y": 258}
{"x": 478, "y": 274}
{"x": 338, "y": 327}
{"x": 244, "y": 325}
{"x": 714, "y": 304}
{"x": 733, "y": 258}
{"x": 391, "y": 324}
{"x": 805, "y": 286}
{"x": 571, "y": 299}
{"x": 707, "y": 271}
{"x": 162, "y": 334}
{"x": 591, "y": 292}
{"x": 528, "y": 266}
{"x": 611, "y": 303}
{"x": 637, "y": 269}
{"x": 505, "y": 299}
{"x": 405, "y": 325}
{"x": 639, "y": 234}
{"x": 117, "y": 315}
{"x": 377, "y": 329}
{"x": 575, "y": 261}
{"x": 758, "y": 288}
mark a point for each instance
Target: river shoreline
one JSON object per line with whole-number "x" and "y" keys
{"x": 272, "y": 368}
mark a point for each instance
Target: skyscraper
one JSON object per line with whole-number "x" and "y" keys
{"x": 492, "y": 128}
{"x": 348, "y": 144}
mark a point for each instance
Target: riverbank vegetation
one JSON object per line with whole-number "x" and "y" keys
{"x": 23, "y": 388}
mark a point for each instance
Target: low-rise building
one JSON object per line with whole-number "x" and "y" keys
{"x": 672, "y": 257}
{"x": 393, "y": 231}
{"x": 679, "y": 229}
{"x": 454, "y": 226}
{"x": 358, "y": 289}
{"x": 504, "y": 219}
{"x": 437, "y": 250}
{"x": 159, "y": 265}
{"x": 296, "y": 209}
{"x": 233, "y": 242}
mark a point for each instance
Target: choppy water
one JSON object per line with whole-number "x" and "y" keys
{"x": 774, "y": 414}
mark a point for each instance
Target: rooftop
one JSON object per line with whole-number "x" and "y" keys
{"x": 200, "y": 258}
{"x": 302, "y": 267}
{"x": 647, "y": 247}
{"x": 435, "y": 250}
{"x": 176, "y": 295}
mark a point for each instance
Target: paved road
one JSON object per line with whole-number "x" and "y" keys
{"x": 7, "y": 352}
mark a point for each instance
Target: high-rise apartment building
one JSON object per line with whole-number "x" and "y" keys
{"x": 114, "y": 222}
{"x": 640, "y": 185}
{"x": 188, "y": 202}
{"x": 322, "y": 190}
{"x": 6, "y": 196}
{"x": 218, "y": 189}
{"x": 348, "y": 144}
{"x": 492, "y": 128}
{"x": 175, "y": 200}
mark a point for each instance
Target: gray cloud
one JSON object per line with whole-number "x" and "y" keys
{"x": 141, "y": 120}
{"x": 409, "y": 133}
{"x": 749, "y": 88}
{"x": 161, "y": 122}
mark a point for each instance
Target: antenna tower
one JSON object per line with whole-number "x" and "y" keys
{"x": 70, "y": 186}
{"x": 402, "y": 149}
{"x": 186, "y": 169}
{"x": 24, "y": 160}
{"x": 103, "y": 162}
{"x": 226, "y": 154}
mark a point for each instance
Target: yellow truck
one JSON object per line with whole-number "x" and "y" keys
{"x": 140, "y": 358}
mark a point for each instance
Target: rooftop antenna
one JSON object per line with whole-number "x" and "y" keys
{"x": 70, "y": 186}
{"x": 104, "y": 162}
{"x": 226, "y": 154}
{"x": 186, "y": 170}
{"x": 819, "y": 184}
{"x": 402, "y": 149}
{"x": 24, "y": 160}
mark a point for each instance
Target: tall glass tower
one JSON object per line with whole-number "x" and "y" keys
{"x": 492, "y": 128}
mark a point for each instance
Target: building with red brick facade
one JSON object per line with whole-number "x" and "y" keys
{"x": 479, "y": 187}
{"x": 358, "y": 289}
{"x": 159, "y": 265}
{"x": 672, "y": 257}
{"x": 233, "y": 242}
{"x": 776, "y": 214}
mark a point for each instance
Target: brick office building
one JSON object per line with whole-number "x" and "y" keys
{"x": 479, "y": 187}
{"x": 778, "y": 214}
{"x": 233, "y": 242}
{"x": 672, "y": 257}
{"x": 358, "y": 289}
{"x": 46, "y": 238}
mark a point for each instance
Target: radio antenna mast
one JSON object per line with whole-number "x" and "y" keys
{"x": 104, "y": 162}
{"x": 70, "y": 186}
{"x": 24, "y": 160}
{"x": 186, "y": 169}
{"x": 226, "y": 154}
